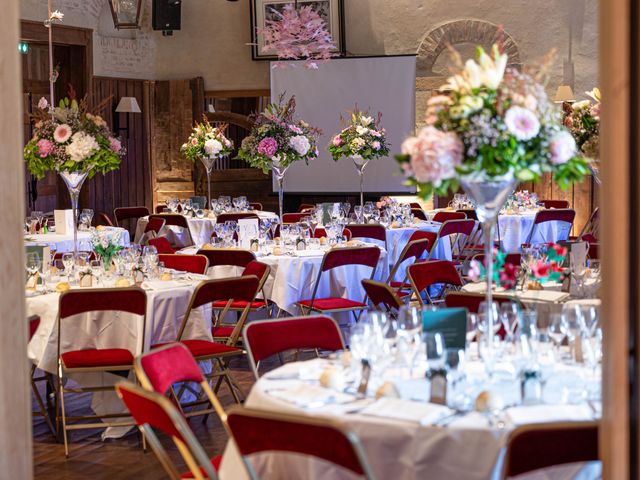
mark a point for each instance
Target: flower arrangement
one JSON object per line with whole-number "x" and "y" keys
{"x": 583, "y": 121}
{"x": 385, "y": 202}
{"x": 494, "y": 123}
{"x": 69, "y": 138}
{"x": 277, "y": 136}
{"x": 364, "y": 137}
{"x": 549, "y": 269}
{"x": 298, "y": 33}
{"x": 207, "y": 141}
{"x": 106, "y": 244}
{"x": 504, "y": 274}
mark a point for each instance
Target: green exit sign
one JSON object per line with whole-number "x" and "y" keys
{"x": 23, "y": 48}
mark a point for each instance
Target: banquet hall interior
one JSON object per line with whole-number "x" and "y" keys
{"x": 269, "y": 239}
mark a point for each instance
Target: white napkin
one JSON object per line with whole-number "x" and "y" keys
{"x": 549, "y": 413}
{"x": 310, "y": 396}
{"x": 422, "y": 413}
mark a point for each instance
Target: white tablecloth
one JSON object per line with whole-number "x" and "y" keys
{"x": 467, "y": 448}
{"x": 64, "y": 243}
{"x": 515, "y": 230}
{"x": 292, "y": 278}
{"x": 200, "y": 229}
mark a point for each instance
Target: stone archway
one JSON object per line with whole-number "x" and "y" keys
{"x": 477, "y": 32}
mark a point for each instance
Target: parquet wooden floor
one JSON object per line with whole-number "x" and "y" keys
{"x": 92, "y": 458}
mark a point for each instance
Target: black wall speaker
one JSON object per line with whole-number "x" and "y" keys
{"x": 166, "y": 14}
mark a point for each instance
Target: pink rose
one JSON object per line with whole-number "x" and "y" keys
{"x": 337, "y": 141}
{"x": 115, "y": 144}
{"x": 268, "y": 147}
{"x": 194, "y": 141}
{"x": 45, "y": 148}
{"x": 376, "y": 145}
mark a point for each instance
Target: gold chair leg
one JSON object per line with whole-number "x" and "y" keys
{"x": 62, "y": 411}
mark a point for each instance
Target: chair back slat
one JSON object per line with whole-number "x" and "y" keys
{"x": 293, "y": 217}
{"x": 457, "y": 227}
{"x": 162, "y": 245}
{"x": 305, "y": 207}
{"x": 321, "y": 232}
{"x": 132, "y": 300}
{"x": 535, "y": 447}
{"x": 242, "y": 289}
{"x": 154, "y": 225}
{"x": 256, "y": 206}
{"x": 185, "y": 263}
{"x": 172, "y": 219}
{"x": 228, "y": 256}
{"x": 338, "y": 257}
{"x": 469, "y": 213}
{"x": 167, "y": 365}
{"x": 368, "y": 230}
{"x": 269, "y": 337}
{"x": 426, "y": 274}
{"x": 381, "y": 294}
{"x": 258, "y": 431}
{"x": 419, "y": 214}
{"x": 431, "y": 237}
{"x": 555, "y": 203}
{"x": 234, "y": 217}
{"x": 442, "y": 217}
{"x": 125, "y": 213}
{"x": 259, "y": 269}
{"x": 470, "y": 301}
{"x": 34, "y": 323}
{"x": 566, "y": 215}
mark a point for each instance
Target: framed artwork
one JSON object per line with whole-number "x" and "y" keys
{"x": 331, "y": 11}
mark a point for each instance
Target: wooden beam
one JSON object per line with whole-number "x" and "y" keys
{"x": 265, "y": 92}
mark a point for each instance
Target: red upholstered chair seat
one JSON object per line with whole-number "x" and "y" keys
{"x": 215, "y": 462}
{"x": 223, "y": 331}
{"x": 239, "y": 304}
{"x": 203, "y": 348}
{"x": 102, "y": 357}
{"x": 332, "y": 304}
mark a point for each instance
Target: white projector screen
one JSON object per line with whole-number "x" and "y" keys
{"x": 377, "y": 84}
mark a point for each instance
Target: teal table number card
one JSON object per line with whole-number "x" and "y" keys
{"x": 450, "y": 322}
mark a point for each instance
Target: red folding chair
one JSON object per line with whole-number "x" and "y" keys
{"x": 153, "y": 411}
{"x": 555, "y": 203}
{"x": 321, "y": 232}
{"x": 426, "y": 274}
{"x": 103, "y": 219}
{"x": 223, "y": 331}
{"x": 95, "y": 360}
{"x": 234, "y": 257}
{"x": 457, "y": 232}
{"x": 161, "y": 369}
{"x": 341, "y": 257}
{"x": 34, "y": 323}
{"x": 152, "y": 230}
{"x": 371, "y": 231}
{"x": 234, "y": 217}
{"x": 161, "y": 209}
{"x": 591, "y": 227}
{"x": 415, "y": 250}
{"x": 538, "y": 446}
{"x": 256, "y": 206}
{"x": 266, "y": 338}
{"x": 512, "y": 258}
{"x": 176, "y": 220}
{"x": 381, "y": 294}
{"x": 565, "y": 216}
{"x": 415, "y": 205}
{"x": 129, "y": 213}
{"x": 419, "y": 214}
{"x": 468, "y": 213}
{"x": 162, "y": 245}
{"x": 442, "y": 217}
{"x": 256, "y": 431}
{"x": 293, "y": 217}
{"x": 185, "y": 263}
{"x": 305, "y": 207}
{"x": 207, "y": 292}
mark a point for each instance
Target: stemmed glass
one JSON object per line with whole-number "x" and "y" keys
{"x": 367, "y": 212}
{"x": 509, "y": 316}
{"x": 409, "y": 335}
{"x": 68, "y": 260}
{"x": 33, "y": 264}
{"x": 556, "y": 330}
{"x": 434, "y": 348}
{"x": 97, "y": 270}
{"x": 312, "y": 223}
{"x": 274, "y": 227}
{"x": 265, "y": 226}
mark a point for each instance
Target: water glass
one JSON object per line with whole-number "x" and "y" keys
{"x": 434, "y": 348}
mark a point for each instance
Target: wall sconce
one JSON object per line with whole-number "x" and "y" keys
{"x": 126, "y": 105}
{"x": 126, "y": 13}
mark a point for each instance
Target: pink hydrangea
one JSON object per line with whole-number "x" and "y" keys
{"x": 115, "y": 144}
{"x": 268, "y": 147}
{"x": 337, "y": 141}
{"x": 45, "y": 148}
{"x": 434, "y": 155}
{"x": 562, "y": 148}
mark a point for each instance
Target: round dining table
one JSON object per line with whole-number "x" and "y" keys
{"x": 514, "y": 230}
{"x": 408, "y": 437}
{"x": 64, "y": 243}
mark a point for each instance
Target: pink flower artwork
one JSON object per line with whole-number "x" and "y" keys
{"x": 297, "y": 34}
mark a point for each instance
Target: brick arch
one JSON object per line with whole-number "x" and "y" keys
{"x": 464, "y": 31}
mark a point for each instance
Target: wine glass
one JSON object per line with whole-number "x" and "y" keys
{"x": 509, "y": 316}
{"x": 434, "y": 347}
{"x": 556, "y": 330}
{"x": 409, "y": 334}
{"x": 472, "y": 326}
{"x": 590, "y": 317}
{"x": 68, "y": 261}
{"x": 97, "y": 270}
{"x": 274, "y": 227}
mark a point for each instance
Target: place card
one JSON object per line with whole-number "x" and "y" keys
{"x": 450, "y": 322}
{"x": 64, "y": 221}
{"x": 248, "y": 229}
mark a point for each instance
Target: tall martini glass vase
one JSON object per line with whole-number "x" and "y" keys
{"x": 208, "y": 163}
{"x": 360, "y": 164}
{"x": 488, "y": 197}
{"x": 279, "y": 171}
{"x": 74, "y": 182}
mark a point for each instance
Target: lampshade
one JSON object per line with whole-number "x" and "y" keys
{"x": 564, "y": 94}
{"x": 128, "y": 105}
{"x": 126, "y": 13}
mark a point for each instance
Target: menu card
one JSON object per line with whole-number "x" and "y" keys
{"x": 450, "y": 322}
{"x": 248, "y": 229}
{"x": 64, "y": 221}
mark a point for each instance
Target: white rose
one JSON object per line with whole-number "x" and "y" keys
{"x": 362, "y": 130}
{"x": 300, "y": 144}
{"x": 212, "y": 147}
{"x": 357, "y": 143}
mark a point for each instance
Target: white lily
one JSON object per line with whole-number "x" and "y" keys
{"x": 473, "y": 74}
{"x": 56, "y": 15}
{"x": 492, "y": 69}
{"x": 595, "y": 94}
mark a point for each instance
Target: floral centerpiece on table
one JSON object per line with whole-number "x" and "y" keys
{"x": 106, "y": 244}
{"x": 583, "y": 121}
{"x": 277, "y": 136}
{"x": 207, "y": 141}
{"x": 385, "y": 202}
{"x": 504, "y": 274}
{"x": 69, "y": 138}
{"x": 549, "y": 268}
{"x": 363, "y": 137}
{"x": 494, "y": 123}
